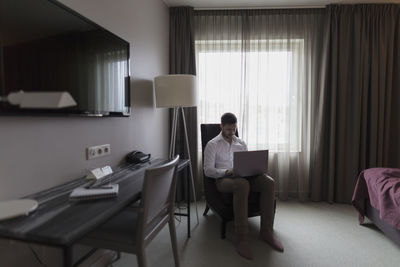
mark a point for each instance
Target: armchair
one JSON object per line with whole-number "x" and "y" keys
{"x": 222, "y": 203}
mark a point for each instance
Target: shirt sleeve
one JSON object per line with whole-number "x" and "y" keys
{"x": 245, "y": 146}
{"x": 209, "y": 162}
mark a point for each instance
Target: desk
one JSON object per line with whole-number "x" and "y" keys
{"x": 61, "y": 223}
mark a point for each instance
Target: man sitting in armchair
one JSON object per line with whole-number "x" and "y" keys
{"x": 218, "y": 164}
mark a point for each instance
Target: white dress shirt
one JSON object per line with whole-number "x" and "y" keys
{"x": 218, "y": 155}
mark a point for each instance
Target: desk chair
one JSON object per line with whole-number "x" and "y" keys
{"x": 222, "y": 203}
{"x": 133, "y": 229}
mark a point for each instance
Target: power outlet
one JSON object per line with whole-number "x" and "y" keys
{"x": 98, "y": 151}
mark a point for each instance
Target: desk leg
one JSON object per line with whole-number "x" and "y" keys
{"x": 187, "y": 214}
{"x": 188, "y": 203}
{"x": 67, "y": 253}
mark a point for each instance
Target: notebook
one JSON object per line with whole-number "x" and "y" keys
{"x": 250, "y": 163}
{"x": 105, "y": 191}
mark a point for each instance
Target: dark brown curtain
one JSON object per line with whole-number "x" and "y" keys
{"x": 359, "y": 126}
{"x": 182, "y": 61}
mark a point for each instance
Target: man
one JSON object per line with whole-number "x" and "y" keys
{"x": 218, "y": 164}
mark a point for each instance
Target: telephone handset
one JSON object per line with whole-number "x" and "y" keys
{"x": 137, "y": 156}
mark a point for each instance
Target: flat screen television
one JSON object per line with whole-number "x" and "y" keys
{"x": 46, "y": 47}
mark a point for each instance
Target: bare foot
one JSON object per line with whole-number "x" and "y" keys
{"x": 274, "y": 243}
{"x": 242, "y": 246}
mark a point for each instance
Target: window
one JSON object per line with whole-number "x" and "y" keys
{"x": 262, "y": 85}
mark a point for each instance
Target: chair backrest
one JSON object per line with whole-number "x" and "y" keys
{"x": 158, "y": 192}
{"x": 208, "y": 132}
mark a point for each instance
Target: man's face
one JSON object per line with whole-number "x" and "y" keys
{"x": 228, "y": 130}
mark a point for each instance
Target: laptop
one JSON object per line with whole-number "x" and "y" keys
{"x": 250, "y": 163}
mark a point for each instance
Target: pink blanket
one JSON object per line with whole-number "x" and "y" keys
{"x": 382, "y": 187}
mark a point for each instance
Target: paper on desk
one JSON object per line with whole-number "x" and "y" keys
{"x": 99, "y": 173}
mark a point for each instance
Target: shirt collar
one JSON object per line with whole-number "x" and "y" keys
{"x": 220, "y": 137}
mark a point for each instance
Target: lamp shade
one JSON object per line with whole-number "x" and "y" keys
{"x": 178, "y": 90}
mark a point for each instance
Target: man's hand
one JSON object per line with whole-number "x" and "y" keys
{"x": 229, "y": 172}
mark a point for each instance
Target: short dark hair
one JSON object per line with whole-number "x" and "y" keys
{"x": 228, "y": 118}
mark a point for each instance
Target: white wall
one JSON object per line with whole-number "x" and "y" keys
{"x": 41, "y": 152}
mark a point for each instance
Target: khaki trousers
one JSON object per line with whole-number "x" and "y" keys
{"x": 240, "y": 188}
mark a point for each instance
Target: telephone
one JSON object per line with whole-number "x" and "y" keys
{"x": 137, "y": 156}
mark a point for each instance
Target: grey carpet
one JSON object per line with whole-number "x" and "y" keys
{"x": 313, "y": 234}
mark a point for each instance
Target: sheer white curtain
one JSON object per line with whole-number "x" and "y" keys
{"x": 261, "y": 65}
{"x": 110, "y": 71}
{"x": 107, "y": 74}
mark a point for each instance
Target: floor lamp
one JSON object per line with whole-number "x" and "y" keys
{"x": 177, "y": 91}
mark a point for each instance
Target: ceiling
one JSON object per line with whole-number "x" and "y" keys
{"x": 265, "y": 3}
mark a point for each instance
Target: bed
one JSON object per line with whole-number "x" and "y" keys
{"x": 377, "y": 197}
